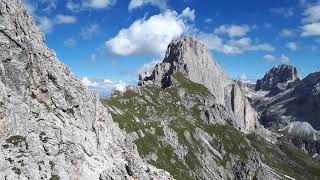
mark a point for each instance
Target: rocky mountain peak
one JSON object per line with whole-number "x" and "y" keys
{"x": 51, "y": 127}
{"x": 191, "y": 58}
{"x": 282, "y": 74}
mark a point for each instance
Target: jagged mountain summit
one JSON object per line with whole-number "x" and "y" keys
{"x": 192, "y": 59}
{"x": 51, "y": 127}
{"x": 190, "y": 119}
{"x": 282, "y": 74}
{"x": 291, "y": 106}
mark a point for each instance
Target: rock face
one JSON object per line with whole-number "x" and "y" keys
{"x": 191, "y": 58}
{"x": 51, "y": 127}
{"x": 281, "y": 74}
{"x": 183, "y": 130}
{"x": 299, "y": 103}
{"x": 295, "y": 107}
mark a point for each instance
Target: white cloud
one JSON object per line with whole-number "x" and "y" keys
{"x": 108, "y": 81}
{"x": 287, "y": 33}
{"x": 292, "y": 46}
{"x": 45, "y": 24}
{"x": 70, "y": 42}
{"x": 121, "y": 86}
{"x": 76, "y": 6}
{"x": 284, "y": 59}
{"x": 208, "y": 20}
{"x": 134, "y": 4}
{"x": 285, "y": 12}
{"x": 148, "y": 67}
{"x": 90, "y": 31}
{"x": 244, "y": 78}
{"x": 312, "y": 14}
{"x": 105, "y": 87}
{"x": 269, "y": 57}
{"x": 233, "y": 30}
{"x": 87, "y": 82}
{"x": 189, "y": 13}
{"x": 311, "y": 21}
{"x": 65, "y": 19}
{"x": 149, "y": 36}
{"x": 311, "y": 29}
{"x": 215, "y": 43}
{"x": 72, "y": 6}
{"x": 97, "y": 4}
{"x": 233, "y": 46}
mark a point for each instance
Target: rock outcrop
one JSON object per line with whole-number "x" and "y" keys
{"x": 51, "y": 127}
{"x": 191, "y": 58}
{"x": 291, "y": 105}
{"x": 277, "y": 76}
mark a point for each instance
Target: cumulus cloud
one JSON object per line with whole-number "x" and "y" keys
{"x": 284, "y": 59}
{"x": 149, "y": 36}
{"x": 90, "y": 31}
{"x": 215, "y": 43}
{"x": 134, "y": 4}
{"x": 292, "y": 46}
{"x": 65, "y": 19}
{"x": 312, "y": 29}
{"x": 189, "y": 13}
{"x": 233, "y": 30}
{"x": 104, "y": 87}
{"x": 269, "y": 57}
{"x": 287, "y": 33}
{"x": 45, "y": 24}
{"x": 311, "y": 21}
{"x": 233, "y": 46}
{"x": 312, "y": 14}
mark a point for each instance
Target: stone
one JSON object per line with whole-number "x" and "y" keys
{"x": 278, "y": 75}
{"x": 50, "y": 125}
{"x": 190, "y": 57}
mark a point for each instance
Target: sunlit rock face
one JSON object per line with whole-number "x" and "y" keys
{"x": 190, "y": 57}
{"x": 51, "y": 127}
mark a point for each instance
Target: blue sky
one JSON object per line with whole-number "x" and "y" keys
{"x": 108, "y": 42}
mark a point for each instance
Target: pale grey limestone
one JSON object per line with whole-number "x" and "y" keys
{"x": 50, "y": 125}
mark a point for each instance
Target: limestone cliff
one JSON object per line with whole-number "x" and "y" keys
{"x": 51, "y": 127}
{"x": 191, "y": 58}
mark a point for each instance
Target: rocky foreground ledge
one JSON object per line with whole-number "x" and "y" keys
{"x": 51, "y": 127}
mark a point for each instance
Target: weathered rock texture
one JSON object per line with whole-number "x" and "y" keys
{"x": 277, "y": 75}
{"x": 191, "y": 58}
{"x": 290, "y": 105}
{"x": 50, "y": 126}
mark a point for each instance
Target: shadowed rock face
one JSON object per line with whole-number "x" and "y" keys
{"x": 50, "y": 125}
{"x": 297, "y": 101}
{"x": 277, "y": 75}
{"x": 191, "y": 58}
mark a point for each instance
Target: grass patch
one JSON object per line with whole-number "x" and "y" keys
{"x": 190, "y": 86}
{"x": 286, "y": 159}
